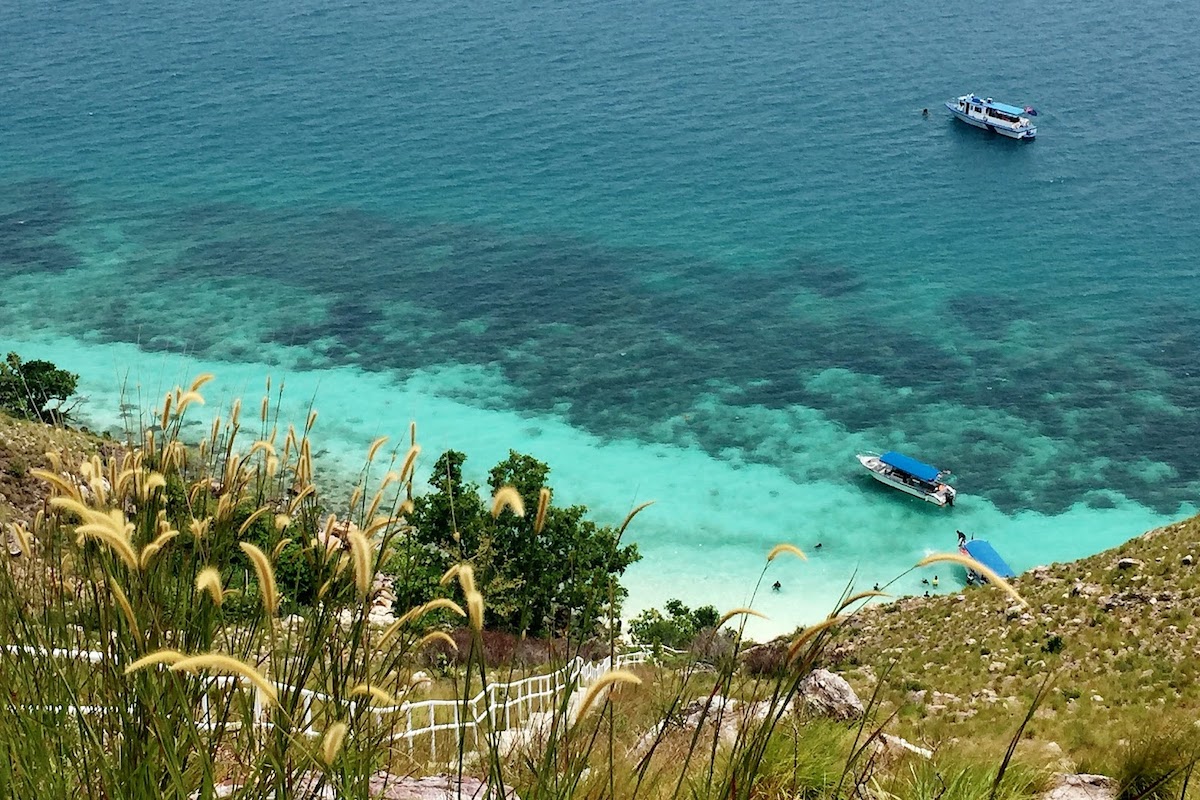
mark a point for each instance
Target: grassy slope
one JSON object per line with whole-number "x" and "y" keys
{"x": 1128, "y": 661}
{"x": 23, "y": 446}
{"x": 1124, "y": 663}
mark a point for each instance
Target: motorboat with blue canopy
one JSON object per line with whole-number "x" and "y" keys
{"x": 910, "y": 476}
{"x": 986, "y": 555}
{"x": 1002, "y": 118}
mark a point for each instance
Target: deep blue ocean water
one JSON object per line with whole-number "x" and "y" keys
{"x": 694, "y": 252}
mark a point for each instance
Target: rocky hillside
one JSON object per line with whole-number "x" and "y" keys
{"x": 23, "y": 446}
{"x": 1115, "y": 634}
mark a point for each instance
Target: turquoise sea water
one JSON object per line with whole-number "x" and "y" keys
{"x": 700, "y": 253}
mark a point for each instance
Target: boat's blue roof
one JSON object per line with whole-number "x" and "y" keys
{"x": 1007, "y": 109}
{"x": 985, "y": 554}
{"x": 918, "y": 469}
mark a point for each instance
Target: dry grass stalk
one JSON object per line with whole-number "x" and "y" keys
{"x": 360, "y": 553}
{"x": 209, "y": 580}
{"x": 331, "y": 743}
{"x": 543, "y": 505}
{"x": 219, "y": 662}
{"x": 507, "y": 497}
{"x": 728, "y": 615}
{"x": 972, "y": 564}
{"x": 374, "y": 692}
{"x": 126, "y": 609}
{"x": 780, "y": 549}
{"x": 808, "y": 635}
{"x": 475, "y": 610}
{"x": 602, "y": 683}
{"x": 374, "y": 448}
{"x": 157, "y": 657}
{"x": 266, "y": 577}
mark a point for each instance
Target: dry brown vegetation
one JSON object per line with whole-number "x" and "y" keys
{"x": 1116, "y": 634}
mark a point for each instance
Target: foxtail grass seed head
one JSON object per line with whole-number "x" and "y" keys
{"x": 22, "y": 537}
{"x": 200, "y": 380}
{"x": 199, "y": 527}
{"x": 780, "y": 549}
{"x": 854, "y": 598}
{"x": 475, "y": 610}
{"x": 507, "y": 497}
{"x": 602, "y": 684}
{"x": 186, "y": 399}
{"x": 260, "y": 446}
{"x": 264, "y": 410}
{"x": 266, "y": 577}
{"x": 126, "y": 609}
{"x": 374, "y": 448}
{"x": 282, "y": 521}
{"x": 331, "y": 743}
{"x": 413, "y": 614}
{"x": 228, "y": 665}
{"x": 465, "y": 575}
{"x": 629, "y": 517}
{"x": 166, "y": 412}
{"x": 302, "y": 495}
{"x": 543, "y": 505}
{"x": 437, "y": 636}
{"x": 157, "y": 657}
{"x": 234, "y": 413}
{"x": 979, "y": 569}
{"x": 209, "y": 580}
{"x": 410, "y": 460}
{"x": 810, "y": 633}
{"x": 374, "y": 692}
{"x": 360, "y": 553}
{"x": 116, "y": 542}
{"x": 245, "y": 526}
{"x": 277, "y": 550}
{"x": 312, "y": 420}
{"x": 374, "y": 506}
{"x": 152, "y": 483}
{"x": 66, "y": 488}
{"x": 738, "y": 612}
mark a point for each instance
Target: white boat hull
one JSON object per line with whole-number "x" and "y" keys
{"x": 995, "y": 126}
{"x": 942, "y": 496}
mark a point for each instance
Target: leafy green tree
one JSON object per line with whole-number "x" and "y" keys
{"x": 677, "y": 628}
{"x": 35, "y": 389}
{"x": 561, "y": 578}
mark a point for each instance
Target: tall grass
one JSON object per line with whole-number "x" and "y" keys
{"x": 165, "y": 557}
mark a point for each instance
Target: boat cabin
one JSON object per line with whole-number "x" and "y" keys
{"x": 984, "y": 112}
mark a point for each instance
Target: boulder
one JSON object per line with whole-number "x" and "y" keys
{"x": 1129, "y": 563}
{"x": 1082, "y": 787}
{"x": 830, "y": 695}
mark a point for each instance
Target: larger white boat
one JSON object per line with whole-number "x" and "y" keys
{"x": 910, "y": 476}
{"x": 1000, "y": 118}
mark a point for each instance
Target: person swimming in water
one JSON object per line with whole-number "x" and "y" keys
{"x": 776, "y": 586}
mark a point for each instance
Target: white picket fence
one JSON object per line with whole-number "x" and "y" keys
{"x": 498, "y": 707}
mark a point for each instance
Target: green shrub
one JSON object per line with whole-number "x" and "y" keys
{"x": 35, "y": 389}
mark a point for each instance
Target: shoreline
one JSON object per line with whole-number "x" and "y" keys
{"x": 705, "y": 539}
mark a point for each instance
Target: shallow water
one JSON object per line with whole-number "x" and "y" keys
{"x": 699, "y": 253}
